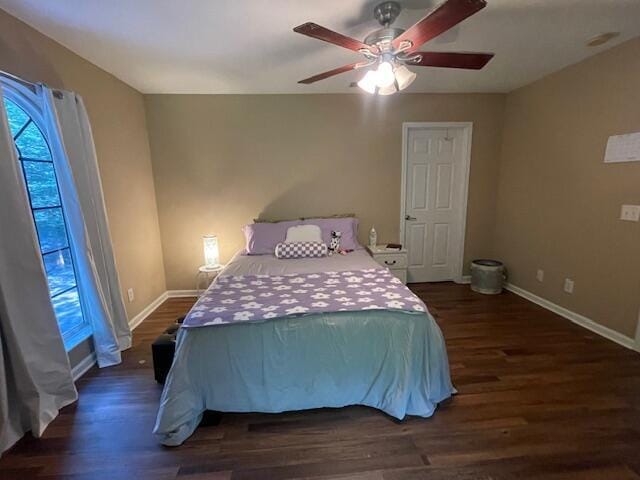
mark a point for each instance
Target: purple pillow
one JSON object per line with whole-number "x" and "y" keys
{"x": 262, "y": 238}
{"x": 347, "y": 226}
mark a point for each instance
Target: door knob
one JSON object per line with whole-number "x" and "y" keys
{"x": 409, "y": 217}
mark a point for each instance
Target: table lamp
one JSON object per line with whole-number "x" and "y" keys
{"x": 211, "y": 251}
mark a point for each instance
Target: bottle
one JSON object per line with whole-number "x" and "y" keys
{"x": 373, "y": 237}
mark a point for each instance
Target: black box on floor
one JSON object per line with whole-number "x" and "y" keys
{"x": 163, "y": 350}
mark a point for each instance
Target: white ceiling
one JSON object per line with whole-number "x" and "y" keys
{"x": 247, "y": 46}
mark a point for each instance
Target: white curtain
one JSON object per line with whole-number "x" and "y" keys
{"x": 35, "y": 376}
{"x": 74, "y": 156}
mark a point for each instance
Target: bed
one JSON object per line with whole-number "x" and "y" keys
{"x": 391, "y": 359}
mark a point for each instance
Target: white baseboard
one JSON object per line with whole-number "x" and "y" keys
{"x": 466, "y": 279}
{"x": 148, "y": 310}
{"x": 83, "y": 366}
{"x": 576, "y": 318}
{"x": 90, "y": 360}
{"x": 181, "y": 293}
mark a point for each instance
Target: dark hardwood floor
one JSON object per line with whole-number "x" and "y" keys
{"x": 538, "y": 398}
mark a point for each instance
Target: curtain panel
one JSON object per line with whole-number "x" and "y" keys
{"x": 35, "y": 376}
{"x": 73, "y": 151}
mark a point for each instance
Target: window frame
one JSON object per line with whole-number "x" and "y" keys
{"x": 28, "y": 100}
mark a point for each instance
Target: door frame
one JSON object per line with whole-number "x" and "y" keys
{"x": 467, "y": 133}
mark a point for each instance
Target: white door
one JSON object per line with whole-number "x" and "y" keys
{"x": 435, "y": 202}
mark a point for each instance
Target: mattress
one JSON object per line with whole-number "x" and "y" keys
{"x": 242, "y": 264}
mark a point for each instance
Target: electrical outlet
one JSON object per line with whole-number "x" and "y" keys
{"x": 131, "y": 295}
{"x": 568, "y": 285}
{"x": 540, "y": 275}
{"x": 630, "y": 213}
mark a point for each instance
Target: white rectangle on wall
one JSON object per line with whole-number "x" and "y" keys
{"x": 623, "y": 148}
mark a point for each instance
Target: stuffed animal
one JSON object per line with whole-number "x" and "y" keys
{"x": 334, "y": 243}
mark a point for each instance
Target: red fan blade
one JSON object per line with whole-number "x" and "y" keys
{"x": 470, "y": 61}
{"x": 314, "y": 30}
{"x": 330, "y": 73}
{"x": 439, "y": 21}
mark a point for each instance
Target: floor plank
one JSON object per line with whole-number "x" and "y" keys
{"x": 538, "y": 398}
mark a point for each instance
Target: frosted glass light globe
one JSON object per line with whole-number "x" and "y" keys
{"x": 384, "y": 74}
{"x": 368, "y": 82}
{"x": 404, "y": 77}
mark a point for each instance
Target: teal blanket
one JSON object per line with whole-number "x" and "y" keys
{"x": 390, "y": 360}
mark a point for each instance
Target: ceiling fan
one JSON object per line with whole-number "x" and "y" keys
{"x": 390, "y": 49}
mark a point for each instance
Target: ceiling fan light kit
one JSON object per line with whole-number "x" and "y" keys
{"x": 389, "y": 50}
{"x": 387, "y": 79}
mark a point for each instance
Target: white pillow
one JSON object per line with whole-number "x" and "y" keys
{"x": 304, "y": 233}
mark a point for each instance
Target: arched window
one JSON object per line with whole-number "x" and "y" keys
{"x": 39, "y": 172}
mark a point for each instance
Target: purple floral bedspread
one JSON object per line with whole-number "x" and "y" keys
{"x": 256, "y": 298}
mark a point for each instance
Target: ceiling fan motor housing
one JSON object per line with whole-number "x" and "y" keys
{"x": 383, "y": 37}
{"x": 387, "y": 12}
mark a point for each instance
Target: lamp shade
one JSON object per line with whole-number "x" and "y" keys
{"x": 388, "y": 90}
{"x": 211, "y": 250}
{"x": 385, "y": 75}
{"x": 368, "y": 82}
{"x": 404, "y": 77}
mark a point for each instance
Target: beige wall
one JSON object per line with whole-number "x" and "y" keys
{"x": 118, "y": 120}
{"x": 558, "y": 203}
{"x": 222, "y": 160}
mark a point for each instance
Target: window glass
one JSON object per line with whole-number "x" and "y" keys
{"x": 31, "y": 144}
{"x": 68, "y": 310}
{"x": 59, "y": 268}
{"x": 49, "y": 218}
{"x": 41, "y": 182}
{"x": 51, "y": 229}
{"x": 17, "y": 117}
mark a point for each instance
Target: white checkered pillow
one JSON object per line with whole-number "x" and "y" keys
{"x": 301, "y": 250}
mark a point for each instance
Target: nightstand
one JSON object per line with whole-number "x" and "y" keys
{"x": 392, "y": 258}
{"x": 206, "y": 275}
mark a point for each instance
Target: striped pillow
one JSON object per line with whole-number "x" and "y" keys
{"x": 301, "y": 250}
